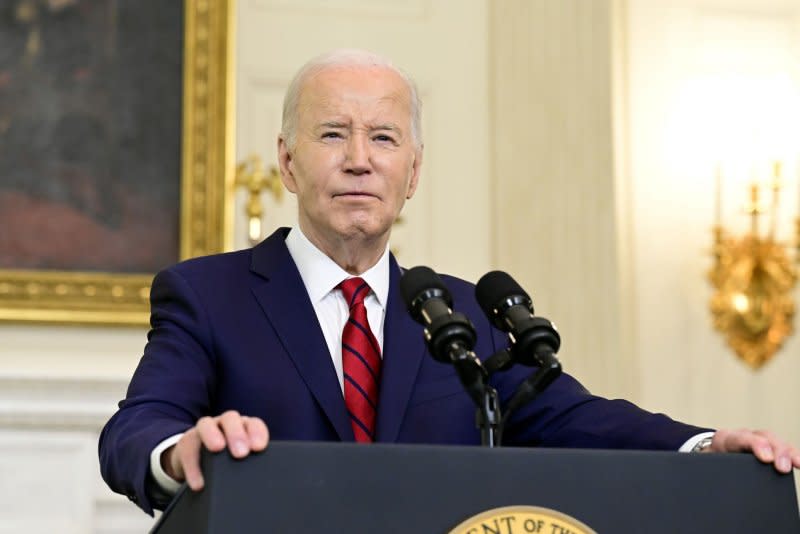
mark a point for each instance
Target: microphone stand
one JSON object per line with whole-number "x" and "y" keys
{"x": 533, "y": 385}
{"x": 488, "y": 418}
{"x": 549, "y": 368}
{"x": 475, "y": 379}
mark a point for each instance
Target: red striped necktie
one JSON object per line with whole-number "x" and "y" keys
{"x": 361, "y": 361}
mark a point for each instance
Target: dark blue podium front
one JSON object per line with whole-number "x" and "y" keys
{"x": 334, "y": 487}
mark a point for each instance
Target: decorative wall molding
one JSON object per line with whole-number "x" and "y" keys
{"x": 117, "y": 515}
{"x": 412, "y": 9}
{"x": 58, "y": 403}
{"x": 554, "y": 169}
{"x": 48, "y": 432}
{"x": 65, "y": 461}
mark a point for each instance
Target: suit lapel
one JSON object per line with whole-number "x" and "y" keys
{"x": 403, "y": 350}
{"x": 284, "y": 300}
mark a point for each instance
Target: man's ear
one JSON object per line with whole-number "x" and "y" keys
{"x": 286, "y": 163}
{"x": 416, "y": 167}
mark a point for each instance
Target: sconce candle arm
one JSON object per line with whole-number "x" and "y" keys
{"x": 797, "y": 238}
{"x": 718, "y": 196}
{"x": 754, "y": 209}
{"x": 776, "y": 190}
{"x": 250, "y": 174}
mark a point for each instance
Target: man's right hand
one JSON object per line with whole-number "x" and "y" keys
{"x": 240, "y": 434}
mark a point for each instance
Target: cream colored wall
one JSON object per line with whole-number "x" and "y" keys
{"x": 685, "y": 368}
{"x": 600, "y": 218}
{"x": 554, "y": 206}
{"x": 603, "y": 202}
{"x": 676, "y": 137}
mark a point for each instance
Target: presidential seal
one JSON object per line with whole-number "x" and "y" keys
{"x": 522, "y": 520}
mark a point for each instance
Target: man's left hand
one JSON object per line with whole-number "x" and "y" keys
{"x": 764, "y": 445}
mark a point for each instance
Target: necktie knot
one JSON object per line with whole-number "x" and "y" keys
{"x": 354, "y": 290}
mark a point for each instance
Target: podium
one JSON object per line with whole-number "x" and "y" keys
{"x": 305, "y": 487}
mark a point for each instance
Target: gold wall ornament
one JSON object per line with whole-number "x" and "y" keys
{"x": 251, "y": 176}
{"x": 206, "y": 174}
{"x": 753, "y": 277}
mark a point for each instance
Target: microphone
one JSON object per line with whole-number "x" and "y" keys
{"x": 450, "y": 336}
{"x": 535, "y": 340}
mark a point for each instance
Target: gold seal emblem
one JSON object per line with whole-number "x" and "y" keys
{"x": 522, "y": 520}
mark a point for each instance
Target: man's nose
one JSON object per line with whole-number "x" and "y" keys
{"x": 357, "y": 156}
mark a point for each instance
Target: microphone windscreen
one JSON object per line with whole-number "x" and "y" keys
{"x": 418, "y": 280}
{"x": 493, "y": 288}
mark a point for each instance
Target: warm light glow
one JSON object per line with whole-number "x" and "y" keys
{"x": 254, "y": 232}
{"x": 743, "y": 119}
{"x": 736, "y": 110}
{"x": 740, "y": 302}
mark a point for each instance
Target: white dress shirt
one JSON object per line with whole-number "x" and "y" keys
{"x": 321, "y": 275}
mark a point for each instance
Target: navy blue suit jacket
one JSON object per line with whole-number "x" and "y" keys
{"x": 237, "y": 331}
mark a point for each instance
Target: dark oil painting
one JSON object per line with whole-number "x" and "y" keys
{"x": 90, "y": 128}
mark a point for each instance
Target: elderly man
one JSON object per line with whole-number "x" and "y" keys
{"x": 305, "y": 334}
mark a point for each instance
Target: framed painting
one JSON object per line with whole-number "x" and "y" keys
{"x": 116, "y": 147}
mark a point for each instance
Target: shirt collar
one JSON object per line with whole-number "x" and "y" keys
{"x": 321, "y": 274}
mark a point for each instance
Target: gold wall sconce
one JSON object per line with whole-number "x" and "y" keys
{"x": 251, "y": 174}
{"x": 753, "y": 277}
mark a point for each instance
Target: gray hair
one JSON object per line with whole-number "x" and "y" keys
{"x": 344, "y": 58}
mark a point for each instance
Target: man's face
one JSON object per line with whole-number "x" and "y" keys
{"x": 354, "y": 162}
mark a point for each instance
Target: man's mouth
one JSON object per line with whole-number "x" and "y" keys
{"x": 355, "y": 194}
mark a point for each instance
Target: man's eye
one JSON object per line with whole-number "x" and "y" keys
{"x": 331, "y": 135}
{"x": 384, "y": 138}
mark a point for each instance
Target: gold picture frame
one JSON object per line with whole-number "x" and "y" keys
{"x": 207, "y": 170}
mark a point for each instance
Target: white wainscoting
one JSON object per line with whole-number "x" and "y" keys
{"x": 49, "y": 471}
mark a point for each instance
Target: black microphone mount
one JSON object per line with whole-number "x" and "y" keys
{"x": 450, "y": 337}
